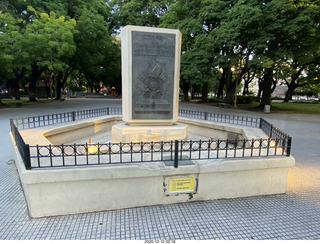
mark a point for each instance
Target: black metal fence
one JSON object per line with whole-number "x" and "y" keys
{"x": 222, "y": 118}
{"x": 58, "y": 118}
{"x": 24, "y": 149}
{"x": 274, "y": 133}
{"x": 117, "y": 153}
{"x": 39, "y": 156}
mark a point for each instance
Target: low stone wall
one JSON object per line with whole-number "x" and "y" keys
{"x": 51, "y": 192}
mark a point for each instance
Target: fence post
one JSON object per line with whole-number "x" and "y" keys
{"x": 176, "y": 148}
{"x": 73, "y": 116}
{"x": 289, "y": 146}
{"x": 260, "y": 126}
{"x": 26, "y": 158}
{"x": 271, "y": 130}
{"x": 205, "y": 115}
{"x": 108, "y": 111}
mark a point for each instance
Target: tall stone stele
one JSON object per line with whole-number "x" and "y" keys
{"x": 150, "y": 85}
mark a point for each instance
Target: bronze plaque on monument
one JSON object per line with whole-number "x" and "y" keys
{"x": 153, "y": 63}
{"x": 150, "y": 60}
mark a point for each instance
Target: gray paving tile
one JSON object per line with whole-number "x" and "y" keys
{"x": 290, "y": 216}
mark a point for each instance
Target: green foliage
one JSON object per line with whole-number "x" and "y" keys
{"x": 12, "y": 44}
{"x": 215, "y": 100}
{"x": 51, "y": 39}
{"x": 245, "y": 99}
{"x": 143, "y": 12}
{"x": 275, "y": 40}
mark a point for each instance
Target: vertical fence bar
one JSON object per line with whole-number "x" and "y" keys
{"x": 268, "y": 146}
{"x": 151, "y": 148}
{"x": 227, "y": 145}
{"x": 260, "y": 145}
{"x": 289, "y": 146}
{"x": 120, "y": 150}
{"x": 141, "y": 149}
{"x": 75, "y": 154}
{"x": 252, "y": 144}
{"x": 131, "y": 151}
{"x": 243, "y": 147}
{"x": 98, "y": 153}
{"x": 62, "y": 153}
{"x": 161, "y": 150}
{"x": 110, "y": 152}
{"x": 50, "y": 152}
{"x": 26, "y": 159}
{"x": 87, "y": 153}
{"x": 176, "y": 151}
{"x": 181, "y": 150}
{"x": 38, "y": 157}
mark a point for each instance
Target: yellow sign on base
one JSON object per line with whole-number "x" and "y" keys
{"x": 181, "y": 184}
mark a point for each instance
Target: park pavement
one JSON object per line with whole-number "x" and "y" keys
{"x": 291, "y": 216}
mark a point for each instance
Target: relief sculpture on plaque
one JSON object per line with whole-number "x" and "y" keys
{"x": 152, "y": 81}
{"x": 153, "y": 75}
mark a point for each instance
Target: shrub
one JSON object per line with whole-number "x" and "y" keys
{"x": 245, "y": 99}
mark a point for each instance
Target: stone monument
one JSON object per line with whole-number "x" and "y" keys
{"x": 150, "y": 85}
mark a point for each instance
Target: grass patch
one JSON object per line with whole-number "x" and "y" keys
{"x": 297, "y": 107}
{"x": 280, "y": 107}
{"x": 7, "y": 103}
{"x": 11, "y": 101}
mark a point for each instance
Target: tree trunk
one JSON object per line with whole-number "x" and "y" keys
{"x": 205, "y": 90}
{"x": 13, "y": 84}
{"x": 230, "y": 87}
{"x": 266, "y": 87}
{"x": 185, "y": 90}
{"x": 293, "y": 84}
{"x": 291, "y": 87}
{"x": 222, "y": 82}
{"x": 249, "y": 78}
{"x": 14, "y": 88}
{"x": 245, "y": 88}
{"x": 59, "y": 86}
{"x": 33, "y": 82}
{"x": 259, "y": 91}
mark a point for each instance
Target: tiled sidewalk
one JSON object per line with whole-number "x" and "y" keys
{"x": 295, "y": 215}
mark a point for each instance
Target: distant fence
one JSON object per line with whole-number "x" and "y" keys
{"x": 277, "y": 144}
{"x": 222, "y": 118}
{"x": 58, "y": 118}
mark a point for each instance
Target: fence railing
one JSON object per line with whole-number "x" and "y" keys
{"x": 24, "y": 149}
{"x": 223, "y": 118}
{"x": 274, "y": 133}
{"x": 39, "y": 156}
{"x": 58, "y": 118}
{"x": 117, "y": 153}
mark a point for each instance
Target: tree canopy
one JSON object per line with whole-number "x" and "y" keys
{"x": 48, "y": 40}
{"x": 224, "y": 43}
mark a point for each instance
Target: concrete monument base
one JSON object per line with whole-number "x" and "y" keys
{"x": 126, "y": 133}
{"x": 55, "y": 191}
{"x": 71, "y": 190}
